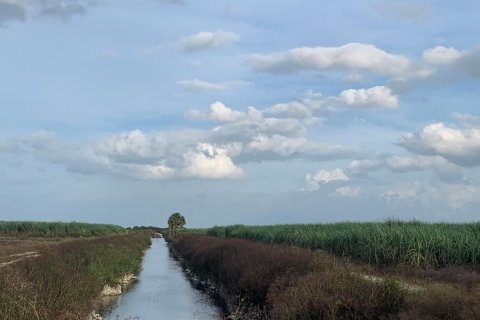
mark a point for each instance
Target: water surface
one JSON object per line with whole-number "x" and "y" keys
{"x": 162, "y": 292}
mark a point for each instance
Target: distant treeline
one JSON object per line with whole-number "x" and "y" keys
{"x": 391, "y": 242}
{"x": 148, "y": 228}
{"x": 57, "y": 229}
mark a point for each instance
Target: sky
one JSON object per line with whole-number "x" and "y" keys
{"x": 239, "y": 111}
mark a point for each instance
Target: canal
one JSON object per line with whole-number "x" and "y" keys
{"x": 161, "y": 292}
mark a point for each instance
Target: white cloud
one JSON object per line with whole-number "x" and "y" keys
{"x": 293, "y": 109}
{"x": 460, "y": 146}
{"x": 221, "y": 113}
{"x": 460, "y": 61}
{"x": 441, "y": 55}
{"x": 196, "y": 85}
{"x": 349, "y": 57}
{"x": 208, "y": 40}
{"x": 278, "y": 144}
{"x": 314, "y": 180}
{"x": 379, "y": 96}
{"x": 347, "y": 192}
{"x": 312, "y": 103}
{"x": 237, "y": 137}
{"x": 210, "y": 162}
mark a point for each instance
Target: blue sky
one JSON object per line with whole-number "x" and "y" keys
{"x": 254, "y": 112}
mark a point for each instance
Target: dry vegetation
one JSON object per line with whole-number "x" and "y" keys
{"x": 284, "y": 282}
{"x": 65, "y": 280}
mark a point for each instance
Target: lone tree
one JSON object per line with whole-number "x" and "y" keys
{"x": 176, "y": 221}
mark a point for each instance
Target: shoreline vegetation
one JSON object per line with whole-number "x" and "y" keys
{"x": 254, "y": 280}
{"x": 66, "y": 278}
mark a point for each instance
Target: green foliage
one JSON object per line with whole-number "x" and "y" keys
{"x": 176, "y": 221}
{"x": 391, "y": 242}
{"x": 57, "y": 229}
{"x": 66, "y": 279}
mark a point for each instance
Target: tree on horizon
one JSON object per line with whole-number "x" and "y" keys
{"x": 176, "y": 221}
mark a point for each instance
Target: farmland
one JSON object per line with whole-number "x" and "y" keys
{"x": 57, "y": 229}
{"x": 388, "y": 243}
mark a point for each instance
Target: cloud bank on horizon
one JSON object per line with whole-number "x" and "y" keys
{"x": 236, "y": 114}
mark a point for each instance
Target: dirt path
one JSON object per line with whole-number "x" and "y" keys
{"x": 17, "y": 257}
{"x": 406, "y": 286}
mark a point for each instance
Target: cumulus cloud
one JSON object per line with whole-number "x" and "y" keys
{"x": 349, "y": 57}
{"x": 268, "y": 134}
{"x": 454, "y": 60}
{"x": 441, "y": 55}
{"x": 460, "y": 146}
{"x": 379, "y": 96}
{"x": 238, "y": 137}
{"x": 221, "y": 113}
{"x": 313, "y": 103}
{"x": 209, "y": 161}
{"x": 315, "y": 180}
{"x": 135, "y": 155}
{"x": 292, "y": 109}
{"x": 208, "y": 40}
{"x": 196, "y": 85}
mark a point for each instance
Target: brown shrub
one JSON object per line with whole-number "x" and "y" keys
{"x": 296, "y": 284}
{"x": 335, "y": 295}
{"x": 243, "y": 267}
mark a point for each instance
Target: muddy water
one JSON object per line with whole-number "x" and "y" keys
{"x": 161, "y": 292}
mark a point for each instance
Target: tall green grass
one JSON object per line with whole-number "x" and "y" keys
{"x": 392, "y": 242}
{"x": 57, "y": 229}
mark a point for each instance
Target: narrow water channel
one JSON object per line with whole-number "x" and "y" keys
{"x": 162, "y": 292}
